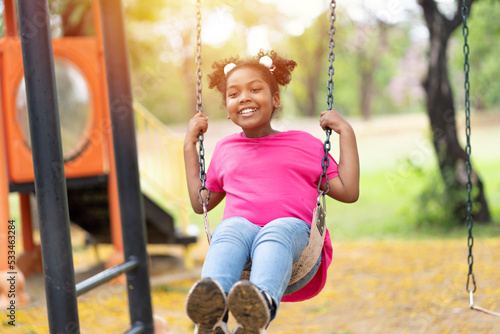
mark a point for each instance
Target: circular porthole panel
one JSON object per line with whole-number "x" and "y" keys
{"x": 73, "y": 98}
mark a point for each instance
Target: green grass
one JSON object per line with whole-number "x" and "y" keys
{"x": 385, "y": 208}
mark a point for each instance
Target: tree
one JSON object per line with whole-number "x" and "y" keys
{"x": 441, "y": 110}
{"x": 369, "y": 57}
{"x": 310, "y": 50}
{"x": 162, "y": 43}
{"x": 484, "y": 41}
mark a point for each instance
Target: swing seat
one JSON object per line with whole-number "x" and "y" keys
{"x": 310, "y": 260}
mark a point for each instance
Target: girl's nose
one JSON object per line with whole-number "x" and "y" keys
{"x": 244, "y": 97}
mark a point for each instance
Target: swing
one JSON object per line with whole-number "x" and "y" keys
{"x": 470, "y": 286}
{"x": 312, "y": 252}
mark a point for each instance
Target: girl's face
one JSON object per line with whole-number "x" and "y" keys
{"x": 250, "y": 103}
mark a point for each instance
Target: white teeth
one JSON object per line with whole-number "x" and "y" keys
{"x": 248, "y": 111}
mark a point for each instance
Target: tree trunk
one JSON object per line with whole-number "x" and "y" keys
{"x": 369, "y": 60}
{"x": 440, "y": 107}
{"x": 313, "y": 87}
{"x": 366, "y": 90}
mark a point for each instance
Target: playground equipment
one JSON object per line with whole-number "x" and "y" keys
{"x": 312, "y": 252}
{"x": 85, "y": 170}
{"x": 89, "y": 164}
{"x": 470, "y": 286}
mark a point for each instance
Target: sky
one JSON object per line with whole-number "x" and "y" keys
{"x": 219, "y": 24}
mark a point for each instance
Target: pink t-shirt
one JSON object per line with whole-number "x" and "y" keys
{"x": 272, "y": 177}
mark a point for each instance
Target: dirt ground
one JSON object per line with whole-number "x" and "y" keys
{"x": 373, "y": 287}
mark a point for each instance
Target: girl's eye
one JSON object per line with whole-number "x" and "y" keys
{"x": 232, "y": 94}
{"x": 255, "y": 90}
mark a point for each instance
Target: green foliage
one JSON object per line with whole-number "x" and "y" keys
{"x": 162, "y": 43}
{"x": 162, "y": 47}
{"x": 484, "y": 43}
{"x": 366, "y": 53}
{"x": 2, "y": 25}
{"x": 161, "y": 39}
{"x": 432, "y": 206}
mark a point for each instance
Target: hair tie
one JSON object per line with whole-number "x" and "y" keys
{"x": 229, "y": 67}
{"x": 267, "y": 62}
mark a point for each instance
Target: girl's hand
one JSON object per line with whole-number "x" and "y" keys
{"x": 198, "y": 123}
{"x": 332, "y": 119}
{"x": 345, "y": 187}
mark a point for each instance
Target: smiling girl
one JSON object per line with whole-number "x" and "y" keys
{"x": 269, "y": 180}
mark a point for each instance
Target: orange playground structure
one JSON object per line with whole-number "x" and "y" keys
{"x": 87, "y": 147}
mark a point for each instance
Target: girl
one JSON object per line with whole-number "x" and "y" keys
{"x": 269, "y": 179}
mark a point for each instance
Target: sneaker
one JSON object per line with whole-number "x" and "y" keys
{"x": 206, "y": 307}
{"x": 249, "y": 307}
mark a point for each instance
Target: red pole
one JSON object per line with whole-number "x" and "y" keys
{"x": 4, "y": 200}
{"x": 10, "y": 18}
{"x": 113, "y": 199}
{"x": 26, "y": 222}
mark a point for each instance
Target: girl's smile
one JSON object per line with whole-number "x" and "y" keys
{"x": 247, "y": 112}
{"x": 250, "y": 103}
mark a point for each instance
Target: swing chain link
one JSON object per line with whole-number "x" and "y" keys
{"x": 331, "y": 55}
{"x": 199, "y": 104}
{"x": 471, "y": 281}
{"x": 201, "y": 137}
{"x": 329, "y": 99}
{"x": 325, "y": 162}
{"x": 199, "y": 109}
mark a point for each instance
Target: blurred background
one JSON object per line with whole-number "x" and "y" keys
{"x": 399, "y": 80}
{"x": 384, "y": 67}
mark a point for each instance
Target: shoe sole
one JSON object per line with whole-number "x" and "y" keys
{"x": 206, "y": 305}
{"x": 249, "y": 307}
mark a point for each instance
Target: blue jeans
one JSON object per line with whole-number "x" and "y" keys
{"x": 272, "y": 250}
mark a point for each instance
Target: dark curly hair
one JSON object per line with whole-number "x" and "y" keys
{"x": 281, "y": 75}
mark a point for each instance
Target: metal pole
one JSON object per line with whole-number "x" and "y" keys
{"x": 127, "y": 169}
{"x": 50, "y": 182}
{"x": 105, "y": 276}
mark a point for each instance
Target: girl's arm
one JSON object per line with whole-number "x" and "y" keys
{"x": 198, "y": 123}
{"x": 345, "y": 187}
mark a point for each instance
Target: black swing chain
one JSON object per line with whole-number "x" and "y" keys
{"x": 199, "y": 108}
{"x": 329, "y": 99}
{"x": 471, "y": 281}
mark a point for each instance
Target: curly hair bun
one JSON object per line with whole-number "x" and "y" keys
{"x": 280, "y": 73}
{"x": 284, "y": 67}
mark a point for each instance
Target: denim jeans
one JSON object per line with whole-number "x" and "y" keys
{"x": 272, "y": 250}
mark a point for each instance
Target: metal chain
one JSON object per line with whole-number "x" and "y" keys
{"x": 201, "y": 137}
{"x": 471, "y": 281}
{"x": 331, "y": 55}
{"x": 199, "y": 104}
{"x": 329, "y": 99}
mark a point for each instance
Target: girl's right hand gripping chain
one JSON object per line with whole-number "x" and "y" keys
{"x": 198, "y": 123}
